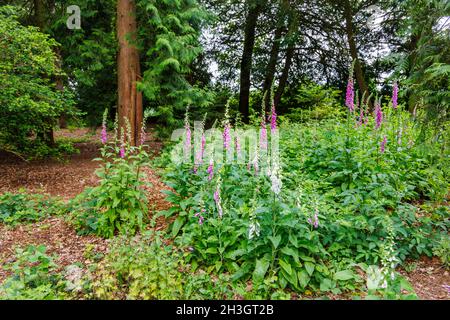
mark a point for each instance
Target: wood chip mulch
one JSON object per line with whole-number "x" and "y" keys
{"x": 59, "y": 238}
{"x": 429, "y": 279}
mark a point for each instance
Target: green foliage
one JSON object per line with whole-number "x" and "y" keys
{"x": 29, "y": 100}
{"x": 89, "y": 55}
{"x": 442, "y": 250}
{"x": 34, "y": 277}
{"x": 425, "y": 68}
{"x": 119, "y": 203}
{"x": 335, "y": 172}
{"x": 146, "y": 268}
{"x": 27, "y": 208}
{"x": 170, "y": 31}
{"x": 313, "y": 101}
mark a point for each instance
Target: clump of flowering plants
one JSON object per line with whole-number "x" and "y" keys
{"x": 303, "y": 217}
{"x": 119, "y": 203}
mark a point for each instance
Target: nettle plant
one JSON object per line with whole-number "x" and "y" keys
{"x": 119, "y": 202}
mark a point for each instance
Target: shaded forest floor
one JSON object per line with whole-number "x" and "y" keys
{"x": 66, "y": 179}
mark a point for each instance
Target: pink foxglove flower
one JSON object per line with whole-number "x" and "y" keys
{"x": 273, "y": 119}
{"x": 188, "y": 143}
{"x": 263, "y": 137}
{"x": 218, "y": 201}
{"x": 201, "y": 153}
{"x": 315, "y": 221}
{"x": 395, "y": 96}
{"x": 200, "y": 217}
{"x": 378, "y": 116}
{"x": 227, "y": 137}
{"x": 350, "y": 96}
{"x": 237, "y": 145}
{"x": 104, "y": 134}
{"x": 211, "y": 170}
{"x": 203, "y": 146}
{"x": 122, "y": 152}
{"x": 383, "y": 145}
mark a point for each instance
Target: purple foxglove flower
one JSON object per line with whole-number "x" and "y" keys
{"x": 378, "y": 116}
{"x": 237, "y": 145}
{"x": 256, "y": 167}
{"x": 203, "y": 146}
{"x": 273, "y": 119}
{"x": 395, "y": 96}
{"x": 227, "y": 137}
{"x": 188, "y": 144}
{"x": 218, "y": 201}
{"x": 104, "y": 134}
{"x": 263, "y": 137}
{"x": 122, "y": 152}
{"x": 211, "y": 170}
{"x": 200, "y": 154}
{"x": 361, "y": 117}
{"x": 200, "y": 217}
{"x": 316, "y": 221}
{"x": 383, "y": 145}
{"x": 350, "y": 96}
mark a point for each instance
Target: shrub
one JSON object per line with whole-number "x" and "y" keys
{"x": 30, "y": 104}
{"x": 337, "y": 193}
{"x": 26, "y": 208}
{"x": 119, "y": 203}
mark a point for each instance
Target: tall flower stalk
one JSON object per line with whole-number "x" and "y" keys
{"x": 395, "y": 96}
{"x": 104, "y": 135}
{"x": 211, "y": 169}
{"x": 273, "y": 119}
{"x": 383, "y": 145}
{"x": 263, "y": 145}
{"x": 227, "y": 128}
{"x": 350, "y": 94}
{"x": 201, "y": 152}
{"x": 378, "y": 115}
{"x": 188, "y": 135}
{"x": 218, "y": 198}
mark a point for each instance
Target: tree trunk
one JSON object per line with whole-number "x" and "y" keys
{"x": 128, "y": 69}
{"x": 354, "y": 51}
{"x": 39, "y": 14}
{"x": 293, "y": 28}
{"x": 254, "y": 8}
{"x": 272, "y": 65}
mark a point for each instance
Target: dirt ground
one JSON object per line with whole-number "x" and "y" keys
{"x": 69, "y": 178}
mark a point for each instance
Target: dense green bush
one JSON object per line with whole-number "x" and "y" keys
{"x": 30, "y": 104}
{"x": 314, "y": 102}
{"x": 119, "y": 202}
{"x": 344, "y": 192}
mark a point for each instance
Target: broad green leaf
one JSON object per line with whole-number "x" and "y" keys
{"x": 344, "y": 275}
